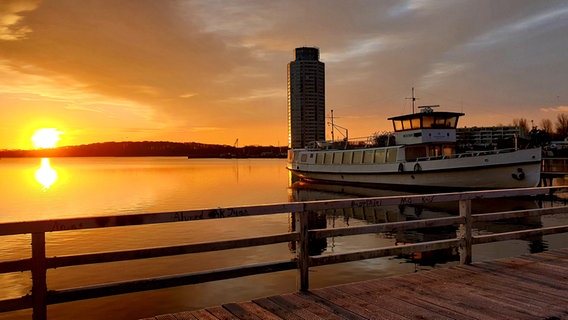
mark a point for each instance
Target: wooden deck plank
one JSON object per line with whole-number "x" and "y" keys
{"x": 462, "y": 297}
{"x": 276, "y": 309}
{"x": 261, "y": 312}
{"x": 527, "y": 287}
{"x": 334, "y": 308}
{"x": 548, "y": 259}
{"x": 319, "y": 310}
{"x": 536, "y": 267}
{"x": 185, "y": 315}
{"x": 166, "y": 317}
{"x": 529, "y": 300}
{"x": 298, "y": 309}
{"x": 560, "y": 253}
{"x": 525, "y": 277}
{"x": 240, "y": 312}
{"x": 203, "y": 314}
{"x": 432, "y": 303}
{"x": 412, "y": 287}
{"x": 356, "y": 305}
{"x": 550, "y": 294}
{"x": 468, "y": 308}
{"x": 527, "y": 264}
{"x": 510, "y": 297}
{"x": 404, "y": 308}
{"x": 221, "y": 313}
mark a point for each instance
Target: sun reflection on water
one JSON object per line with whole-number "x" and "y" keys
{"x": 45, "y": 174}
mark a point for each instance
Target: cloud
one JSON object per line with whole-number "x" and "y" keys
{"x": 11, "y": 15}
{"x": 558, "y": 109}
{"x": 188, "y": 95}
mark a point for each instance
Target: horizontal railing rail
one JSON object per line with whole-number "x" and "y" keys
{"x": 555, "y": 165}
{"x": 39, "y": 263}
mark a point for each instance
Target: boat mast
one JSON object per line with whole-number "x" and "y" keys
{"x": 339, "y": 128}
{"x": 413, "y": 98}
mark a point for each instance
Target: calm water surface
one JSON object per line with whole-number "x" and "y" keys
{"x": 37, "y": 189}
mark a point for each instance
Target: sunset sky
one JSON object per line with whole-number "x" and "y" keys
{"x": 214, "y": 71}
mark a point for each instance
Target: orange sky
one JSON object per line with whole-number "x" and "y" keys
{"x": 215, "y": 71}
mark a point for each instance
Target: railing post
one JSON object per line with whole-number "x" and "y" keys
{"x": 39, "y": 279}
{"x": 302, "y": 251}
{"x": 465, "y": 232}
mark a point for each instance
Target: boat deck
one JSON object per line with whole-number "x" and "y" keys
{"x": 532, "y": 286}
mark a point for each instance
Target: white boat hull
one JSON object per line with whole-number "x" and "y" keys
{"x": 516, "y": 169}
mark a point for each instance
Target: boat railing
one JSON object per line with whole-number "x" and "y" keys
{"x": 465, "y": 154}
{"x": 351, "y": 144}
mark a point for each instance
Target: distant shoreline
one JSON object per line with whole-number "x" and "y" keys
{"x": 191, "y": 150}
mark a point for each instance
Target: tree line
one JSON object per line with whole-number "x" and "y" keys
{"x": 556, "y": 131}
{"x": 150, "y": 148}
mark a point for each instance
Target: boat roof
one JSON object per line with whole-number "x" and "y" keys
{"x": 441, "y": 114}
{"x": 426, "y": 119}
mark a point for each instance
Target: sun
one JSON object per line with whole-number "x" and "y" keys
{"x": 46, "y": 138}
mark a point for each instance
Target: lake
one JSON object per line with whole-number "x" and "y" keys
{"x": 37, "y": 189}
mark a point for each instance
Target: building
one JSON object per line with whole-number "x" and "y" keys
{"x": 306, "y": 98}
{"x": 489, "y": 137}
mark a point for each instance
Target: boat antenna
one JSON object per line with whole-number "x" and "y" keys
{"x": 413, "y": 98}
{"x": 339, "y": 128}
{"x": 332, "y": 125}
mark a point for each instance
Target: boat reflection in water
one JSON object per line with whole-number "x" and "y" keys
{"x": 332, "y": 218}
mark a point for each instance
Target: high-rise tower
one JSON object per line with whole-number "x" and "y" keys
{"x": 306, "y": 98}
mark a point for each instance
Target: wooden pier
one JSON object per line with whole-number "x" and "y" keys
{"x": 528, "y": 287}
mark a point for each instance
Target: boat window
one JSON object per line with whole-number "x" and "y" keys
{"x": 415, "y": 123}
{"x": 357, "y": 157}
{"x": 348, "y": 157}
{"x": 440, "y": 123}
{"x": 397, "y": 125}
{"x": 452, "y": 122}
{"x": 368, "y": 156}
{"x": 434, "y": 151}
{"x": 337, "y": 157}
{"x": 319, "y": 158}
{"x": 412, "y": 153}
{"x": 304, "y": 158}
{"x": 448, "y": 150}
{"x": 406, "y": 124}
{"x": 391, "y": 154}
{"x": 427, "y": 121}
{"x": 328, "y": 158}
{"x": 380, "y": 156}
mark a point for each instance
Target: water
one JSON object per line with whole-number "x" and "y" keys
{"x": 33, "y": 189}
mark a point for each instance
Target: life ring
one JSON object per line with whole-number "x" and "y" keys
{"x": 400, "y": 167}
{"x": 519, "y": 175}
{"x": 417, "y": 167}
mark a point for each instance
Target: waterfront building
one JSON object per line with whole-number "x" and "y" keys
{"x": 489, "y": 137}
{"x": 306, "y": 98}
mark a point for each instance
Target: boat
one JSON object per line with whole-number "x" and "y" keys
{"x": 423, "y": 157}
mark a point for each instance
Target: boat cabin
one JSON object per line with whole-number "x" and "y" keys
{"x": 427, "y": 133}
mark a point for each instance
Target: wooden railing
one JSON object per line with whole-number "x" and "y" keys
{"x": 555, "y": 166}
{"x": 39, "y": 263}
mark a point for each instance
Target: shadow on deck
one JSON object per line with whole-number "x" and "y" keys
{"x": 532, "y": 286}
